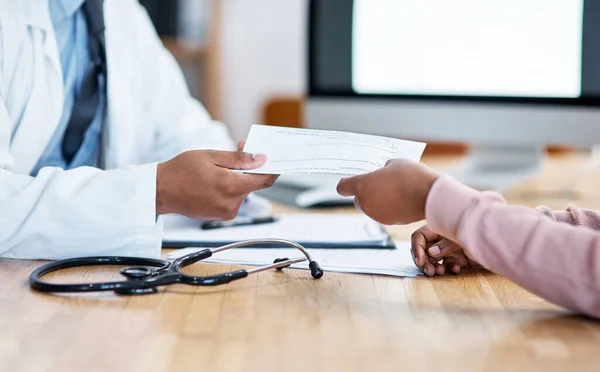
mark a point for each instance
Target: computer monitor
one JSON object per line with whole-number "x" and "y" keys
{"x": 508, "y": 77}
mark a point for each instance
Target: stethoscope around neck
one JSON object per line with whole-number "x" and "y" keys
{"x": 146, "y": 275}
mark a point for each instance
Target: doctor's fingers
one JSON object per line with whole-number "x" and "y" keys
{"x": 238, "y": 159}
{"x": 240, "y": 145}
{"x": 248, "y": 182}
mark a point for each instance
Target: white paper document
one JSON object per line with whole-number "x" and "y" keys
{"x": 309, "y": 151}
{"x": 393, "y": 262}
{"x": 305, "y": 228}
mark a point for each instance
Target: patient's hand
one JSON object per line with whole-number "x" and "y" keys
{"x": 435, "y": 254}
{"x": 393, "y": 195}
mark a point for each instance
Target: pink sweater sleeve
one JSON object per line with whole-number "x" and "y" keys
{"x": 557, "y": 261}
{"x": 574, "y": 216}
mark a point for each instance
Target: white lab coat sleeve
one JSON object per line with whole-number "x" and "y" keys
{"x": 81, "y": 212}
{"x": 181, "y": 122}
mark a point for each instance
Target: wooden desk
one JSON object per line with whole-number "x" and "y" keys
{"x": 288, "y": 321}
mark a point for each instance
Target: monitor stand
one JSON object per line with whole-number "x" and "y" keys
{"x": 498, "y": 168}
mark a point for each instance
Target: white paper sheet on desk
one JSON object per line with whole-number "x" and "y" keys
{"x": 309, "y": 151}
{"x": 392, "y": 262}
{"x": 349, "y": 229}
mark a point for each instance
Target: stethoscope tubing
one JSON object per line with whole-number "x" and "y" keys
{"x": 143, "y": 280}
{"x": 36, "y": 283}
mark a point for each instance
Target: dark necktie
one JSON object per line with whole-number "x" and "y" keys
{"x": 86, "y": 102}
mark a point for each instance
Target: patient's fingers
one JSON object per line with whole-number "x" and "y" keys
{"x": 440, "y": 269}
{"x": 443, "y": 248}
{"x": 348, "y": 186}
{"x": 456, "y": 262}
{"x": 421, "y": 240}
{"x": 429, "y": 269}
{"x": 433, "y": 267}
{"x": 452, "y": 264}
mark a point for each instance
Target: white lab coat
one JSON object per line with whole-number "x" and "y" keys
{"x": 150, "y": 117}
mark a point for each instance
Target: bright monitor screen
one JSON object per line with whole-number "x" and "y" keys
{"x": 525, "y": 51}
{"x": 504, "y": 48}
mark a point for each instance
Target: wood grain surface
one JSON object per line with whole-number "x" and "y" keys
{"x": 286, "y": 321}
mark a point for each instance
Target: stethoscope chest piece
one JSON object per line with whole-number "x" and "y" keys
{"x": 136, "y": 273}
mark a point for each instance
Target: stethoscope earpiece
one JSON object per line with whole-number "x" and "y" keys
{"x": 315, "y": 270}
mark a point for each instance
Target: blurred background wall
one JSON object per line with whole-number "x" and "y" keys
{"x": 238, "y": 55}
{"x": 263, "y": 57}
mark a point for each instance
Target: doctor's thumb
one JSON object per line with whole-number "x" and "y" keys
{"x": 239, "y": 160}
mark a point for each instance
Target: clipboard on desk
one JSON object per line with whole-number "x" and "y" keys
{"x": 314, "y": 231}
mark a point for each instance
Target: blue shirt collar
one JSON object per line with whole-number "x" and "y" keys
{"x": 61, "y": 10}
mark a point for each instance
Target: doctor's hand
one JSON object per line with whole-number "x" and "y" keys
{"x": 437, "y": 255}
{"x": 200, "y": 184}
{"x": 395, "y": 194}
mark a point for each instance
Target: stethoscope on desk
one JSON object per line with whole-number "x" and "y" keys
{"x": 147, "y": 274}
